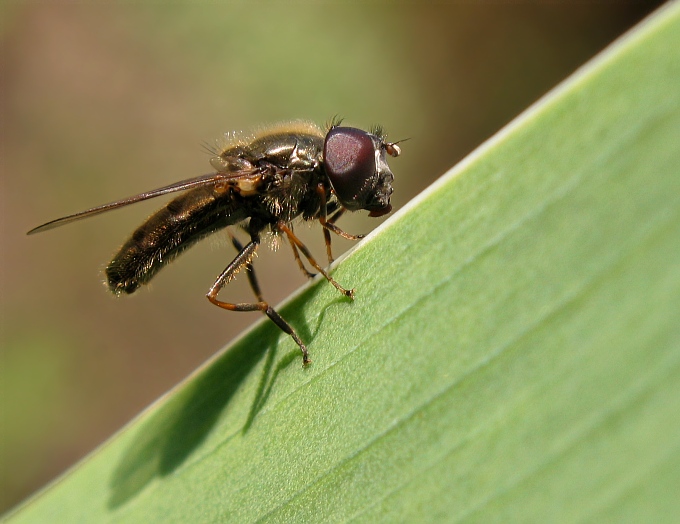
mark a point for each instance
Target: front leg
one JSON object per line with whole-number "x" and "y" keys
{"x": 281, "y": 226}
{"x": 329, "y": 224}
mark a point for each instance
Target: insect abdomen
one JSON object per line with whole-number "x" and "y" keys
{"x": 167, "y": 233}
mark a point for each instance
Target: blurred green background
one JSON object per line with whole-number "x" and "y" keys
{"x": 101, "y": 102}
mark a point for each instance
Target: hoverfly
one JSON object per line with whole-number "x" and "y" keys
{"x": 261, "y": 184}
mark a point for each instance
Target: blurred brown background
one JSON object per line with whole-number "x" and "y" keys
{"x": 101, "y": 102}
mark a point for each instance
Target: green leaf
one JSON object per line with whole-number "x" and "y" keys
{"x": 513, "y": 352}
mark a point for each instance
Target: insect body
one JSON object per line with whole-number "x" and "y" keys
{"x": 261, "y": 184}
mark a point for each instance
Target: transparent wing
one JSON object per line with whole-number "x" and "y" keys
{"x": 199, "y": 181}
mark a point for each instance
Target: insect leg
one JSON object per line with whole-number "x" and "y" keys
{"x": 244, "y": 259}
{"x": 296, "y": 254}
{"x": 329, "y": 224}
{"x": 308, "y": 255}
{"x": 322, "y": 220}
{"x": 250, "y": 271}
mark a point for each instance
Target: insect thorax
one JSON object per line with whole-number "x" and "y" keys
{"x": 291, "y": 156}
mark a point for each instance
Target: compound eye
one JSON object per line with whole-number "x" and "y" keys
{"x": 349, "y": 157}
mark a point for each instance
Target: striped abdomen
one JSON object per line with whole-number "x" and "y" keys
{"x": 167, "y": 233}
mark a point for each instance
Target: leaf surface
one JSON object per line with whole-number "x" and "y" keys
{"x": 513, "y": 352}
